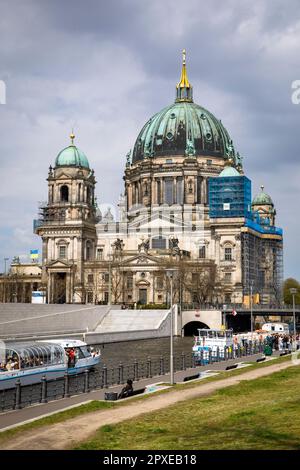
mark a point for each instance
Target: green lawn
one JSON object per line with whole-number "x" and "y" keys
{"x": 257, "y": 414}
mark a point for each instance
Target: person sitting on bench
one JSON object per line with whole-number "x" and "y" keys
{"x": 127, "y": 390}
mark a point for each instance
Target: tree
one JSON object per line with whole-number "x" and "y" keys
{"x": 192, "y": 281}
{"x": 287, "y": 296}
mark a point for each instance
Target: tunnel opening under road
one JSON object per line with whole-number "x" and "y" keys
{"x": 191, "y": 328}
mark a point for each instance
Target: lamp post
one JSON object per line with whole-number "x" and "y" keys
{"x": 251, "y": 307}
{"x": 294, "y": 291}
{"x": 170, "y": 273}
{"x": 5, "y": 260}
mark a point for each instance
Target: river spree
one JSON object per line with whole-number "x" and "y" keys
{"x": 126, "y": 352}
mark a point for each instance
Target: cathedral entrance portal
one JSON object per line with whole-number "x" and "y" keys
{"x": 60, "y": 286}
{"x": 143, "y": 296}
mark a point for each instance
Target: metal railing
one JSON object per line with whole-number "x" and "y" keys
{"x": 104, "y": 377}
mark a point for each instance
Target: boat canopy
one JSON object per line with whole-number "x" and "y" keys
{"x": 24, "y": 355}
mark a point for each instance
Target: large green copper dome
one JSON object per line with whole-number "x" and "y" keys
{"x": 72, "y": 156}
{"x": 184, "y": 128}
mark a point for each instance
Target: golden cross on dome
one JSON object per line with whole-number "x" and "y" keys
{"x": 72, "y": 137}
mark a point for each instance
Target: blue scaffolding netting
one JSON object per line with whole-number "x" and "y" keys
{"x": 229, "y": 196}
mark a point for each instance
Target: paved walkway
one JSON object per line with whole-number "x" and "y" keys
{"x": 68, "y": 433}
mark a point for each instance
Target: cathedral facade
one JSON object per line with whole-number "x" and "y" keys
{"x": 187, "y": 209}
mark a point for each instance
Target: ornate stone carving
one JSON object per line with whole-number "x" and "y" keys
{"x": 144, "y": 246}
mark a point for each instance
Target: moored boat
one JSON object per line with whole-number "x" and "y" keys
{"x": 52, "y": 359}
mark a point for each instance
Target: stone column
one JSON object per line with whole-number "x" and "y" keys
{"x": 44, "y": 249}
{"x": 204, "y": 191}
{"x": 174, "y": 190}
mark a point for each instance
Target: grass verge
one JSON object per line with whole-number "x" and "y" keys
{"x": 256, "y": 414}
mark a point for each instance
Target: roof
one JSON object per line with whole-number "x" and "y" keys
{"x": 72, "y": 156}
{"x": 229, "y": 171}
{"x": 262, "y": 199}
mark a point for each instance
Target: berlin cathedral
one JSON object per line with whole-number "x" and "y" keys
{"x": 186, "y": 208}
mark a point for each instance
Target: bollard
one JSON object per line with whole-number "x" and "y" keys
{"x": 193, "y": 361}
{"x": 162, "y": 365}
{"x": 44, "y": 390}
{"x": 86, "y": 381}
{"x": 104, "y": 377}
{"x": 210, "y": 356}
{"x": 149, "y": 368}
{"x": 218, "y": 354}
{"x": 120, "y": 373}
{"x": 66, "y": 386}
{"x": 18, "y": 395}
{"x": 182, "y": 361}
{"x": 225, "y": 353}
{"x": 136, "y": 370}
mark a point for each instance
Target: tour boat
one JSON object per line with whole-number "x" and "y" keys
{"x": 29, "y": 362}
{"x": 211, "y": 339}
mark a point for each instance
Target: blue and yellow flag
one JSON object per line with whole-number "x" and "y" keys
{"x": 34, "y": 254}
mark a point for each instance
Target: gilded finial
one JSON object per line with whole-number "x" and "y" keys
{"x": 184, "y": 81}
{"x": 184, "y": 90}
{"x": 72, "y": 137}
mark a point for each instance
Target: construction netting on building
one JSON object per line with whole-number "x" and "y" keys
{"x": 262, "y": 268}
{"x": 229, "y": 196}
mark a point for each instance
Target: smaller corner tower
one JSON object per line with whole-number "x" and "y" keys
{"x": 67, "y": 225}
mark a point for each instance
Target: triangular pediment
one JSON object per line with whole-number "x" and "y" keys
{"x": 58, "y": 264}
{"x": 156, "y": 222}
{"x": 142, "y": 259}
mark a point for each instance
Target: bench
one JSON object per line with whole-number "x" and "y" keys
{"x": 113, "y": 396}
{"x": 260, "y": 359}
{"x": 191, "y": 377}
{"x": 233, "y": 366}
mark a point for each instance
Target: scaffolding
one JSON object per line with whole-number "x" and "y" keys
{"x": 229, "y": 196}
{"x": 262, "y": 267}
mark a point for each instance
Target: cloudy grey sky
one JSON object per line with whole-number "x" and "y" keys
{"x": 106, "y": 67}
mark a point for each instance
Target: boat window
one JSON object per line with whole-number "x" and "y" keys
{"x": 85, "y": 351}
{"x": 221, "y": 334}
{"x": 203, "y": 333}
{"x": 31, "y": 355}
{"x": 78, "y": 353}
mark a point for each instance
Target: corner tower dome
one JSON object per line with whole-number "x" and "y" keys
{"x": 185, "y": 129}
{"x": 262, "y": 199}
{"x": 72, "y": 156}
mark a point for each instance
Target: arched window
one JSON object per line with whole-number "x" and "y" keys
{"x": 88, "y": 251}
{"x": 64, "y": 193}
{"x": 228, "y": 253}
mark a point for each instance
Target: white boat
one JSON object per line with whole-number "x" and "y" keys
{"x": 276, "y": 327}
{"x": 29, "y": 362}
{"x": 211, "y": 339}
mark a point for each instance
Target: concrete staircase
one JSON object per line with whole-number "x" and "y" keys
{"x": 131, "y": 320}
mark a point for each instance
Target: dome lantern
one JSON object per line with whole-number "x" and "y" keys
{"x": 184, "y": 90}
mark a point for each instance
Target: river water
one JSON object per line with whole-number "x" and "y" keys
{"x": 126, "y": 352}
